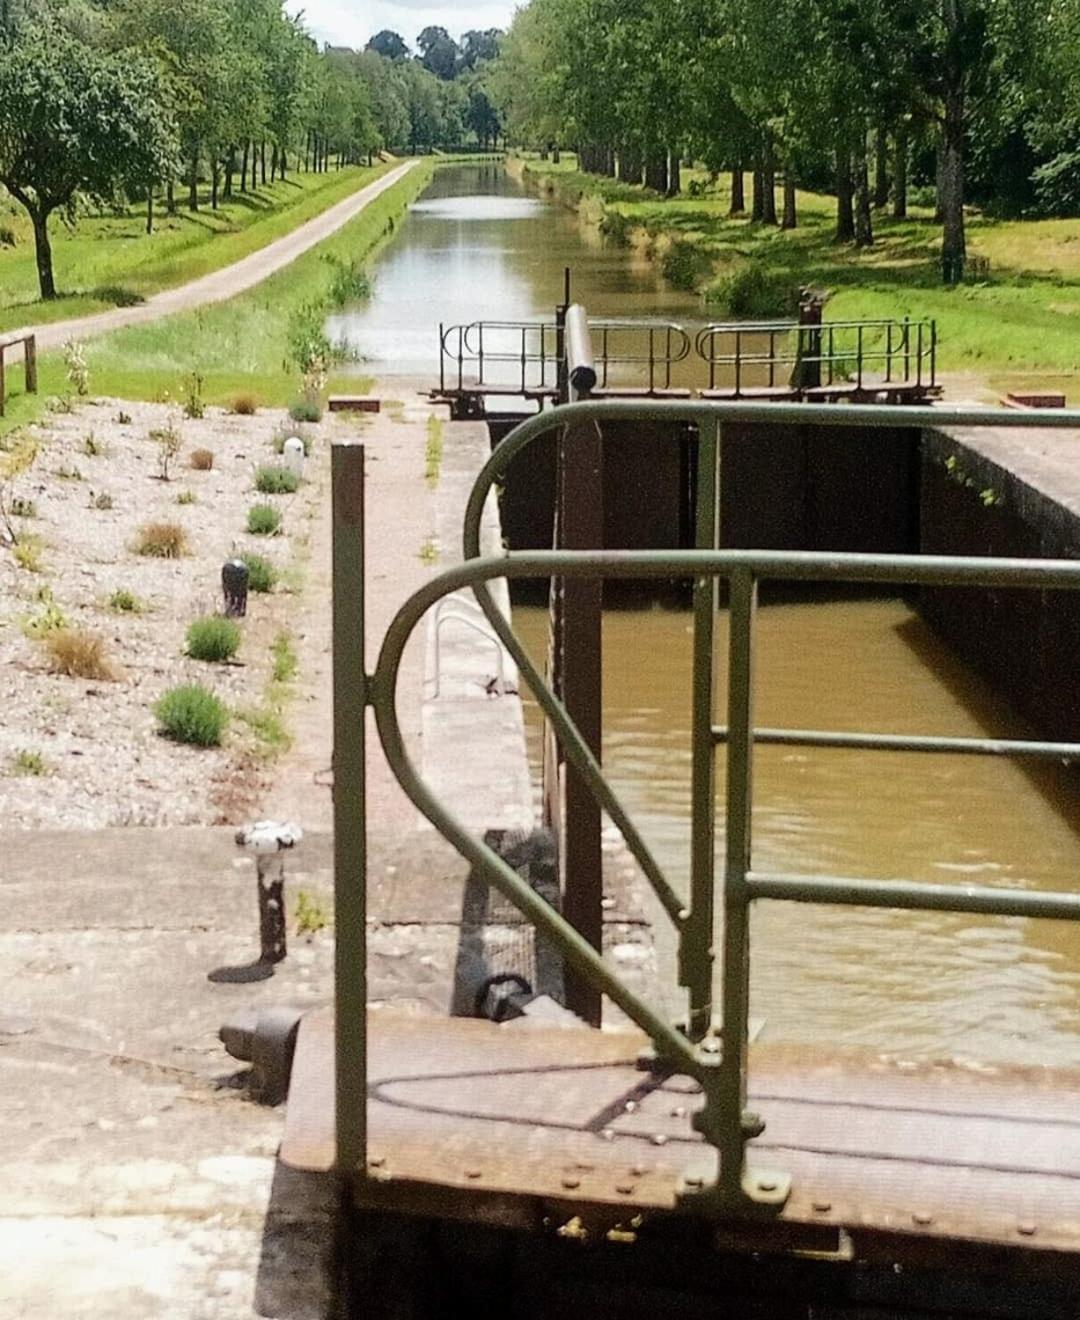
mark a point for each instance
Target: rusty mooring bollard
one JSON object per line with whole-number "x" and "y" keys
{"x": 269, "y": 840}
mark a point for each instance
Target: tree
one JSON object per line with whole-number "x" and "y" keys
{"x": 77, "y": 119}
{"x": 389, "y": 45}
{"x": 439, "y": 53}
{"x": 480, "y": 47}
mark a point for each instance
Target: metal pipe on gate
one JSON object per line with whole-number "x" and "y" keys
{"x": 581, "y": 368}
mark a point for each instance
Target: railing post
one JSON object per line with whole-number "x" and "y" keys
{"x": 350, "y": 824}
{"x": 695, "y": 946}
{"x": 581, "y": 523}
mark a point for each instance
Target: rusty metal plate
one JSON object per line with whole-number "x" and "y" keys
{"x": 483, "y": 1122}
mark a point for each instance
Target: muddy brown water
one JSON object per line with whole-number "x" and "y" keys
{"x": 476, "y": 246}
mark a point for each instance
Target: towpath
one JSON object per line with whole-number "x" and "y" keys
{"x": 220, "y": 284}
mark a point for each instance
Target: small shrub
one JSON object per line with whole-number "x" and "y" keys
{"x": 169, "y": 443}
{"x": 429, "y": 553}
{"x": 79, "y": 655}
{"x": 187, "y": 497}
{"x": 286, "y": 664}
{"x": 162, "y": 541}
{"x": 125, "y": 602}
{"x": 193, "y": 399}
{"x": 103, "y": 502}
{"x": 276, "y": 481}
{"x": 306, "y": 410}
{"x": 21, "y": 508}
{"x": 60, "y": 403}
{"x": 192, "y": 715}
{"x": 93, "y": 447}
{"x": 28, "y": 554}
{"x": 123, "y": 418}
{"x": 78, "y": 373}
{"x": 350, "y": 282}
{"x": 263, "y": 520}
{"x": 311, "y": 916}
{"x": 214, "y": 640}
{"x": 245, "y": 405}
{"x": 28, "y": 765}
{"x": 202, "y": 460}
{"x": 262, "y": 575}
{"x": 50, "y": 618}
{"x": 685, "y": 265}
{"x": 285, "y": 433}
{"x": 267, "y": 725}
{"x": 752, "y": 290}
{"x": 69, "y": 473}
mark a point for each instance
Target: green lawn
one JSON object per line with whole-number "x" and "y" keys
{"x": 237, "y": 347}
{"x": 1014, "y": 326}
{"x": 106, "y": 259}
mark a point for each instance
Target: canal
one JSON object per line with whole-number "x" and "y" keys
{"x": 476, "y": 246}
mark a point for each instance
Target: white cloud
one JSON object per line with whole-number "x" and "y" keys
{"x": 352, "y": 22}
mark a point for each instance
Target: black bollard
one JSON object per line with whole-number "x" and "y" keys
{"x": 234, "y": 582}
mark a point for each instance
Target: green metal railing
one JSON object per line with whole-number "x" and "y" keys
{"x": 713, "y": 1053}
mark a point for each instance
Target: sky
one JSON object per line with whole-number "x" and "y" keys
{"x": 352, "y": 22}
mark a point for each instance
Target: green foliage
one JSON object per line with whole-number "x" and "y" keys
{"x": 194, "y": 407}
{"x": 50, "y": 618}
{"x": 187, "y": 497}
{"x": 433, "y": 451}
{"x": 429, "y": 553}
{"x": 92, "y": 447}
{"x": 263, "y": 520}
{"x": 276, "y": 481}
{"x": 191, "y": 714}
{"x": 752, "y": 290}
{"x": 169, "y": 443}
{"x": 27, "y": 764}
{"x": 286, "y": 662}
{"x": 123, "y": 601}
{"x": 262, "y": 575}
{"x": 214, "y": 640}
{"x": 29, "y": 554}
{"x": 305, "y": 410}
{"x": 349, "y": 281}
{"x": 311, "y": 916}
{"x": 267, "y": 724}
{"x": 309, "y": 348}
{"x": 78, "y": 373}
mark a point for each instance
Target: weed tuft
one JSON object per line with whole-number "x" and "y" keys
{"x": 262, "y": 575}
{"x": 79, "y": 654}
{"x": 305, "y": 410}
{"x": 276, "y": 481}
{"x": 125, "y": 602}
{"x": 160, "y": 540}
{"x": 286, "y": 662}
{"x": 202, "y": 460}
{"x": 245, "y": 405}
{"x": 214, "y": 640}
{"x": 263, "y": 520}
{"x": 27, "y": 764}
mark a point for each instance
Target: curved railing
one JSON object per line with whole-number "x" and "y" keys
{"x": 715, "y": 1059}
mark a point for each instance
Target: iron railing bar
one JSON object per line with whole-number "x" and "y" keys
{"x": 695, "y": 944}
{"x": 548, "y": 921}
{"x": 905, "y": 895}
{"x": 888, "y": 742}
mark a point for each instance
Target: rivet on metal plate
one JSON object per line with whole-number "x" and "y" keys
{"x": 625, "y": 1189}
{"x": 473, "y": 1173}
{"x": 679, "y": 1111}
{"x": 571, "y": 1183}
{"x": 822, "y": 1207}
{"x": 376, "y": 1161}
{"x": 608, "y": 1134}
{"x": 922, "y": 1218}
{"x": 659, "y": 1139}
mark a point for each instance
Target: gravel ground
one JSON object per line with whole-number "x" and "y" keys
{"x": 104, "y": 761}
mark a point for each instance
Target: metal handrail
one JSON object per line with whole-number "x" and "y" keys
{"x": 716, "y": 1061}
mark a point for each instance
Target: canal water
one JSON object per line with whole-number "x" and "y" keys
{"x": 928, "y": 984}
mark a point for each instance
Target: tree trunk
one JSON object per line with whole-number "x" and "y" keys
{"x": 244, "y": 168}
{"x": 939, "y": 184}
{"x": 149, "y": 210}
{"x": 864, "y": 224}
{"x": 170, "y": 196}
{"x": 845, "y": 195}
{"x": 768, "y": 182}
{"x": 193, "y": 184}
{"x": 674, "y": 185}
{"x": 738, "y": 191}
{"x": 230, "y": 170}
{"x": 881, "y": 169}
{"x": 273, "y": 162}
{"x": 954, "y": 243}
{"x": 791, "y": 212}
{"x": 900, "y": 174}
{"x": 215, "y": 182}
{"x": 757, "y": 201}
{"x": 629, "y": 164}
{"x": 656, "y": 171}
{"x": 262, "y": 164}
{"x": 43, "y": 253}
{"x": 556, "y": 155}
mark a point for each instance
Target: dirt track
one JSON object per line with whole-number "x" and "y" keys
{"x": 219, "y": 284}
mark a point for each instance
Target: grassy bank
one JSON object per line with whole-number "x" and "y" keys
{"x": 236, "y": 347}
{"x": 1011, "y": 326}
{"x": 109, "y": 259}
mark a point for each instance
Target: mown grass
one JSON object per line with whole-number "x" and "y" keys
{"x": 238, "y": 346}
{"x": 108, "y": 259}
{"x": 1014, "y": 326}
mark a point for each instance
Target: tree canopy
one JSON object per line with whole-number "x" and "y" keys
{"x": 822, "y": 92}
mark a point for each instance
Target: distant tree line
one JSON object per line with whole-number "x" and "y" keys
{"x": 978, "y": 99}
{"x": 153, "y": 98}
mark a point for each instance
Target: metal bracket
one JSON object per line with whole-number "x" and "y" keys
{"x": 267, "y": 1040}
